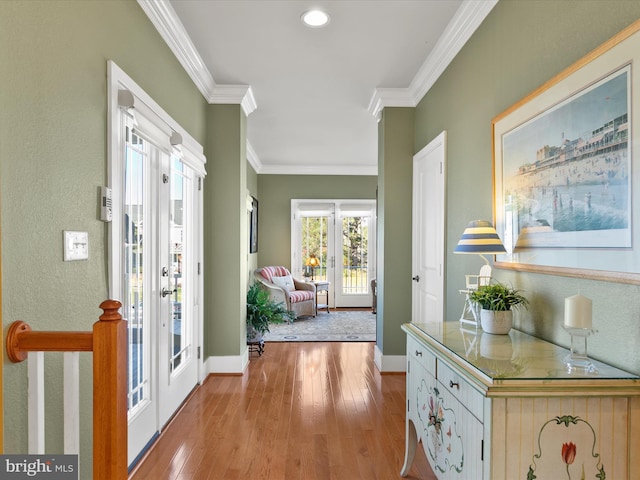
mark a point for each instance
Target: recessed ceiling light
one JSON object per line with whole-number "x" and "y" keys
{"x": 315, "y": 18}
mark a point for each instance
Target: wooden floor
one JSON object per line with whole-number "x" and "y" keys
{"x": 301, "y": 411}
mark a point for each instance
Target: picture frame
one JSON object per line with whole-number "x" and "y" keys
{"x": 565, "y": 160}
{"x": 253, "y": 226}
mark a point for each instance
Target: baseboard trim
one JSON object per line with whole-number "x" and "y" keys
{"x": 389, "y": 363}
{"x": 228, "y": 364}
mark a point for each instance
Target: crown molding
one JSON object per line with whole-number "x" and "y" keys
{"x": 166, "y": 21}
{"x": 234, "y": 94}
{"x": 389, "y": 97}
{"x": 366, "y": 170}
{"x": 253, "y": 159}
{"x": 464, "y": 23}
{"x": 261, "y": 169}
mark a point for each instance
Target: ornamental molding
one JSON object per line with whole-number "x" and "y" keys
{"x": 463, "y": 24}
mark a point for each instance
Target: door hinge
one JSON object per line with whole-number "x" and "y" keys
{"x": 165, "y": 178}
{"x": 408, "y": 409}
{"x": 482, "y": 450}
{"x": 198, "y": 268}
{"x": 440, "y": 168}
{"x": 199, "y": 183}
{"x": 198, "y": 353}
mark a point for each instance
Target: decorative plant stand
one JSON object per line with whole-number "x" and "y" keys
{"x": 256, "y": 346}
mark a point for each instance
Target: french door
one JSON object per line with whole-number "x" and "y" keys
{"x": 159, "y": 286}
{"x": 155, "y": 229}
{"x": 341, "y": 235}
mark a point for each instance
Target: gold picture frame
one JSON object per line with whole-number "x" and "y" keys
{"x": 565, "y": 163}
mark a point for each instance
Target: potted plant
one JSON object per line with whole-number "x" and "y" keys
{"x": 262, "y": 311}
{"x": 496, "y": 301}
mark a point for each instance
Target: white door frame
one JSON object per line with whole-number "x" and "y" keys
{"x": 124, "y": 93}
{"x": 335, "y": 209}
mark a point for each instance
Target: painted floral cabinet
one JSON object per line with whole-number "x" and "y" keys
{"x": 504, "y": 407}
{"x": 451, "y": 435}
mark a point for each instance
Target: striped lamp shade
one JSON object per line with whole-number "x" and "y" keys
{"x": 480, "y": 237}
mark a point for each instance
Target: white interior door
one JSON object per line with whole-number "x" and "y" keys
{"x": 428, "y": 231}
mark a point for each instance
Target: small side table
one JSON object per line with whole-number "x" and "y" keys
{"x": 322, "y": 286}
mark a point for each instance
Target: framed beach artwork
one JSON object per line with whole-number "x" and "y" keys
{"x": 565, "y": 167}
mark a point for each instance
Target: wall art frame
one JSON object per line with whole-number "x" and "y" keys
{"x": 565, "y": 160}
{"x": 253, "y": 226}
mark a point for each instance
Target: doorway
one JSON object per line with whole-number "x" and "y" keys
{"x": 338, "y": 235}
{"x": 155, "y": 237}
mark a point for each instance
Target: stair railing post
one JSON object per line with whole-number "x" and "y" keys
{"x": 110, "y": 394}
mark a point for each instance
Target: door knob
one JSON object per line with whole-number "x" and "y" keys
{"x": 165, "y": 292}
{"x": 416, "y": 278}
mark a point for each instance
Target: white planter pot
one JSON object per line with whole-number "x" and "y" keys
{"x": 253, "y": 336}
{"x": 496, "y": 322}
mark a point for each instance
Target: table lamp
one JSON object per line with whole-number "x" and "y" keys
{"x": 313, "y": 262}
{"x": 480, "y": 238}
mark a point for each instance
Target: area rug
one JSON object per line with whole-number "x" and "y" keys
{"x": 337, "y": 326}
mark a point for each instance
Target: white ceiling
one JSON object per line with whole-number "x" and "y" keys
{"x": 313, "y": 96}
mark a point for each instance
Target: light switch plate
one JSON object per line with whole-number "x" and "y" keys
{"x": 76, "y": 245}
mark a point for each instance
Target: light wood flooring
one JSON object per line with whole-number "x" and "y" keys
{"x": 301, "y": 411}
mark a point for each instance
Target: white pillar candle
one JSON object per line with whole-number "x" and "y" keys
{"x": 577, "y": 312}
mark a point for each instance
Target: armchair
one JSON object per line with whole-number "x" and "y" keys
{"x": 298, "y": 296}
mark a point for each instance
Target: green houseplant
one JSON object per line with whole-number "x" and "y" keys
{"x": 496, "y": 301}
{"x": 262, "y": 311}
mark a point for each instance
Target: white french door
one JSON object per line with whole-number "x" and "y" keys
{"x": 355, "y": 245}
{"x": 341, "y": 234}
{"x": 159, "y": 286}
{"x": 155, "y": 173}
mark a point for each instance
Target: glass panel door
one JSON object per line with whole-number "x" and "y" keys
{"x": 314, "y": 253}
{"x": 330, "y": 230}
{"x": 160, "y": 245}
{"x": 177, "y": 365}
{"x": 353, "y": 271}
{"x": 137, "y": 307}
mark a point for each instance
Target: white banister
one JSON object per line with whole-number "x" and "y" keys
{"x": 71, "y": 403}
{"x": 108, "y": 343}
{"x": 35, "y": 371}
{"x": 36, "y": 402}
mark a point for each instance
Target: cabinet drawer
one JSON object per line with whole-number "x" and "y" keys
{"x": 455, "y": 384}
{"x": 420, "y": 354}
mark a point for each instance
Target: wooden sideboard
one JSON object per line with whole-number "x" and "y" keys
{"x": 505, "y": 407}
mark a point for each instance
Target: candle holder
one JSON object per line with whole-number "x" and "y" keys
{"x": 578, "y": 360}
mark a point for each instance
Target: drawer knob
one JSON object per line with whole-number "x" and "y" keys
{"x": 454, "y": 384}
{"x": 418, "y": 354}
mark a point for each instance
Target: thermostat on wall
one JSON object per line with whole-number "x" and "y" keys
{"x": 76, "y": 245}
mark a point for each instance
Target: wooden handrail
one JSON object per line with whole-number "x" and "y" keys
{"x": 108, "y": 342}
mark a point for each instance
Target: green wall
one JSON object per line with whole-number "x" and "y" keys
{"x": 395, "y": 172}
{"x": 521, "y": 45}
{"x": 53, "y": 137}
{"x": 275, "y": 193}
{"x": 225, "y": 232}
